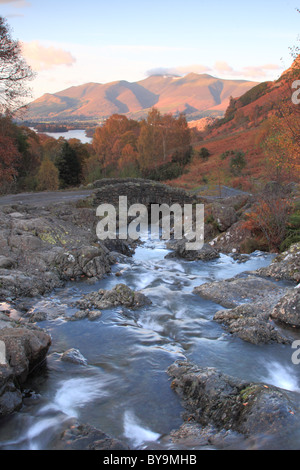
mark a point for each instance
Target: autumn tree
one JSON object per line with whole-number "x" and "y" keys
{"x": 48, "y": 176}
{"x": 162, "y": 136}
{"x": 128, "y": 163}
{"x": 92, "y": 169}
{"x": 9, "y": 155}
{"x": 110, "y": 139}
{"x": 14, "y": 72}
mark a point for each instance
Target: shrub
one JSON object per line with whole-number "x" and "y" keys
{"x": 237, "y": 163}
{"x": 204, "y": 153}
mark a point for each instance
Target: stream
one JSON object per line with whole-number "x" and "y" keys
{"x": 124, "y": 389}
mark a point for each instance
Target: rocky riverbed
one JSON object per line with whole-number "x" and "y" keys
{"x": 43, "y": 248}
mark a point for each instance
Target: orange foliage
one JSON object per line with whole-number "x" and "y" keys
{"x": 9, "y": 157}
{"x": 268, "y": 220}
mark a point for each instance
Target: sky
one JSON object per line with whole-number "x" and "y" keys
{"x": 72, "y": 42}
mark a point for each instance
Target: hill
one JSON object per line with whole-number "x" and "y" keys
{"x": 243, "y": 128}
{"x": 198, "y": 95}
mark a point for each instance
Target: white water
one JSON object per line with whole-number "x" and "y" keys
{"x": 136, "y": 432}
{"x": 282, "y": 376}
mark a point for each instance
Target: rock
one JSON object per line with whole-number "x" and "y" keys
{"x": 90, "y": 261}
{"x": 233, "y": 292}
{"x": 41, "y": 248}
{"x": 120, "y": 246}
{"x": 6, "y": 263}
{"x": 10, "y": 395}
{"x": 225, "y": 216}
{"x": 233, "y": 238}
{"x": 86, "y": 437}
{"x": 191, "y": 435}
{"x": 250, "y": 300}
{"x": 94, "y": 314}
{"x": 250, "y": 322}
{"x": 74, "y": 356}
{"x": 207, "y": 253}
{"x": 285, "y": 266}
{"x": 26, "y": 348}
{"x": 253, "y": 410}
{"x": 287, "y": 310}
{"x": 119, "y": 295}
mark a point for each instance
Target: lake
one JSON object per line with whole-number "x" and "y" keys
{"x": 73, "y": 134}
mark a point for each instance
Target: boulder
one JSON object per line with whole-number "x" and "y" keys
{"x": 287, "y": 310}
{"x": 85, "y": 437}
{"x": 250, "y": 322}
{"x": 255, "y": 410}
{"x": 73, "y": 356}
{"x": 285, "y": 266}
{"x": 207, "y": 252}
{"x": 249, "y": 301}
{"x": 119, "y": 295}
{"x": 233, "y": 292}
{"x": 26, "y": 348}
{"x": 225, "y": 216}
{"x": 10, "y": 394}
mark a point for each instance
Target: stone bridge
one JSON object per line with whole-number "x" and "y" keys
{"x": 139, "y": 191}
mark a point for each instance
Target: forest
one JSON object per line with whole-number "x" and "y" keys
{"x": 158, "y": 147}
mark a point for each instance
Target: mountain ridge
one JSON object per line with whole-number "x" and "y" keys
{"x": 193, "y": 93}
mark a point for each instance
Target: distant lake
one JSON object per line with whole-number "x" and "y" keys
{"x": 74, "y": 134}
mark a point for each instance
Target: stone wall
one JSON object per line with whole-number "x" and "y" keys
{"x": 139, "y": 191}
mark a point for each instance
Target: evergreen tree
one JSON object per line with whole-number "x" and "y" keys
{"x": 68, "y": 166}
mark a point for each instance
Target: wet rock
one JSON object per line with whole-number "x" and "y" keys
{"x": 86, "y": 437}
{"x": 249, "y": 300}
{"x": 254, "y": 410}
{"x": 10, "y": 395}
{"x": 287, "y": 310}
{"x": 119, "y": 295}
{"x": 285, "y": 266}
{"x": 26, "y": 348}
{"x": 191, "y": 435}
{"x": 120, "y": 246}
{"x": 74, "y": 356}
{"x": 94, "y": 314}
{"x": 207, "y": 253}
{"x": 233, "y": 292}
{"x": 250, "y": 322}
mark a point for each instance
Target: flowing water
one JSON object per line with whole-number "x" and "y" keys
{"x": 124, "y": 389}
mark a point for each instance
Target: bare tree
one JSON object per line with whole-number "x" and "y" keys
{"x": 14, "y": 72}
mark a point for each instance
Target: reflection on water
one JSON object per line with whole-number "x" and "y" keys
{"x": 124, "y": 390}
{"x": 72, "y": 134}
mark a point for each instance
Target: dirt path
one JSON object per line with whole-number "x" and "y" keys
{"x": 44, "y": 198}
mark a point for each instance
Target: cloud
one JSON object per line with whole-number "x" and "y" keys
{"x": 221, "y": 69}
{"x": 250, "y": 71}
{"x": 260, "y": 71}
{"x": 46, "y": 57}
{"x": 16, "y": 3}
{"x": 178, "y": 71}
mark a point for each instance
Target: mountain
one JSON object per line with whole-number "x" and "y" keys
{"x": 197, "y": 95}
